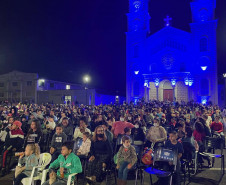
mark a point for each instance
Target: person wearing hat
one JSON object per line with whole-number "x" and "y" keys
{"x": 14, "y": 142}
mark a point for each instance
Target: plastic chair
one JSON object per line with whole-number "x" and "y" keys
{"x": 44, "y": 160}
{"x": 69, "y": 180}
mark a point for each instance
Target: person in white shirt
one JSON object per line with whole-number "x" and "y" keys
{"x": 84, "y": 149}
{"x": 81, "y": 129}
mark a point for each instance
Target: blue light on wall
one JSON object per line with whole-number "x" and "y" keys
{"x": 136, "y": 72}
{"x": 157, "y": 82}
{"x": 186, "y": 81}
{"x": 203, "y": 68}
{"x": 146, "y": 84}
{"x": 190, "y": 83}
{"x": 173, "y": 82}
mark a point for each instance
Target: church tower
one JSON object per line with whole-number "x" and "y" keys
{"x": 138, "y": 30}
{"x": 203, "y": 41}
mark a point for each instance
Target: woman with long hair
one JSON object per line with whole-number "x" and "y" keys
{"x": 101, "y": 153}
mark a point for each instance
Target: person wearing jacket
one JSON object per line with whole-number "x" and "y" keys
{"x": 126, "y": 159}
{"x": 56, "y": 144}
{"x": 68, "y": 163}
{"x": 13, "y": 142}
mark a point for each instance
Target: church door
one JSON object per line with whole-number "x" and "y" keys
{"x": 168, "y": 95}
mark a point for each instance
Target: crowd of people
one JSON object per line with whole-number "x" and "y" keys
{"x": 56, "y": 128}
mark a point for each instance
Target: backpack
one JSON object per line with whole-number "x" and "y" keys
{"x": 147, "y": 157}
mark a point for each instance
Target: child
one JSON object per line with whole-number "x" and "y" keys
{"x": 13, "y": 142}
{"x": 85, "y": 147}
{"x": 34, "y": 134}
{"x": 126, "y": 159}
{"x": 174, "y": 145}
{"x": 58, "y": 139}
{"x": 67, "y": 163}
{"x": 30, "y": 160}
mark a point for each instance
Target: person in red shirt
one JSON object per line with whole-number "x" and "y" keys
{"x": 119, "y": 126}
{"x": 217, "y": 126}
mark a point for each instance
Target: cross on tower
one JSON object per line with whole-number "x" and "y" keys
{"x": 167, "y": 20}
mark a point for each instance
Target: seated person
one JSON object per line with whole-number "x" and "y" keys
{"x": 57, "y": 140}
{"x": 217, "y": 127}
{"x": 84, "y": 149}
{"x": 81, "y": 129}
{"x": 181, "y": 129}
{"x": 189, "y": 138}
{"x": 101, "y": 154}
{"x": 50, "y": 124}
{"x": 67, "y": 128}
{"x": 13, "y": 142}
{"x": 67, "y": 163}
{"x": 107, "y": 132}
{"x": 126, "y": 159}
{"x": 138, "y": 133}
{"x": 156, "y": 134}
{"x": 174, "y": 145}
{"x": 30, "y": 159}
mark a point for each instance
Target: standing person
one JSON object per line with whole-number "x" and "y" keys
{"x": 101, "y": 153}
{"x": 34, "y": 134}
{"x": 67, "y": 163}
{"x": 126, "y": 159}
{"x": 29, "y": 158}
{"x": 57, "y": 141}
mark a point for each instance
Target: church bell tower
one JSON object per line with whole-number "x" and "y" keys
{"x": 203, "y": 29}
{"x": 137, "y": 32}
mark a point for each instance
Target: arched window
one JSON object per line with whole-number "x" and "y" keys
{"x": 204, "y": 85}
{"x": 136, "y": 51}
{"x": 136, "y": 89}
{"x": 203, "y": 44}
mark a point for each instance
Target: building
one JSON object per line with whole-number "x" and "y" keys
{"x": 172, "y": 64}
{"x": 28, "y": 87}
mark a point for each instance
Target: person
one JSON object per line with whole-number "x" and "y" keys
{"x": 3, "y": 132}
{"x": 84, "y": 149}
{"x": 218, "y": 128}
{"x": 78, "y": 133}
{"x": 57, "y": 140}
{"x": 34, "y": 134}
{"x": 156, "y": 134}
{"x": 189, "y": 138}
{"x": 30, "y": 159}
{"x": 67, "y": 128}
{"x": 107, "y": 132}
{"x": 138, "y": 133}
{"x": 177, "y": 147}
{"x": 119, "y": 126}
{"x": 14, "y": 142}
{"x": 101, "y": 153}
{"x": 67, "y": 163}
{"x": 126, "y": 159}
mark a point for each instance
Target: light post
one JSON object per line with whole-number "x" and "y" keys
{"x": 86, "y": 80}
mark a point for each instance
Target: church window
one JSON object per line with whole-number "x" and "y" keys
{"x": 136, "y": 51}
{"x": 204, "y": 86}
{"x": 136, "y": 89}
{"x": 203, "y": 44}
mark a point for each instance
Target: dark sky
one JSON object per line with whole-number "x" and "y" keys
{"x": 63, "y": 40}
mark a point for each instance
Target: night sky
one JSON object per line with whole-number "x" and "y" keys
{"x": 63, "y": 40}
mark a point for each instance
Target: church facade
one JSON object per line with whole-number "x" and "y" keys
{"x": 172, "y": 64}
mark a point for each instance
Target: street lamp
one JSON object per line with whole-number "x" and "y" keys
{"x": 86, "y": 80}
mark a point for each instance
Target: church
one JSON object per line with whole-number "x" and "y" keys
{"x": 172, "y": 64}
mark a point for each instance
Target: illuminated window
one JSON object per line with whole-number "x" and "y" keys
{"x": 68, "y": 87}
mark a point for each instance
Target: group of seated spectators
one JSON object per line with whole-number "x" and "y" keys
{"x": 56, "y": 128}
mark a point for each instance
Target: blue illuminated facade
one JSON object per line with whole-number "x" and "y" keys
{"x": 172, "y": 64}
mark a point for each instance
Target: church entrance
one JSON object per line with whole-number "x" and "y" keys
{"x": 168, "y": 95}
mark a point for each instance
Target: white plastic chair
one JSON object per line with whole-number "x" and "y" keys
{"x": 44, "y": 160}
{"x": 44, "y": 174}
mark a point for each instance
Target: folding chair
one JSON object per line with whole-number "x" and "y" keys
{"x": 211, "y": 144}
{"x": 163, "y": 155}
